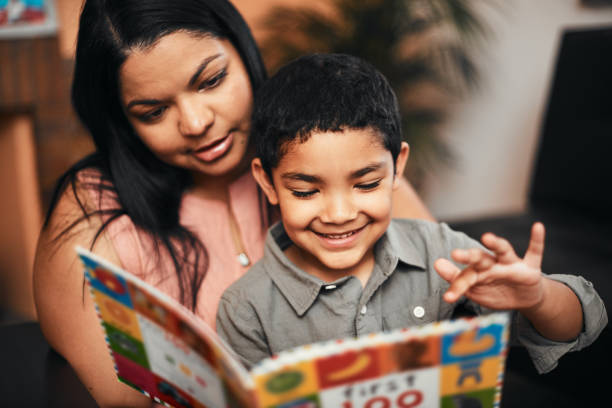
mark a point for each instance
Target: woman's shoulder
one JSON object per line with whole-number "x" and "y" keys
{"x": 75, "y": 211}
{"x": 95, "y": 189}
{"x": 83, "y": 203}
{"x": 66, "y": 314}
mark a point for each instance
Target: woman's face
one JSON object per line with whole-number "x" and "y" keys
{"x": 189, "y": 98}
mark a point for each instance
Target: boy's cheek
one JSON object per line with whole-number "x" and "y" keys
{"x": 377, "y": 206}
{"x": 297, "y": 214}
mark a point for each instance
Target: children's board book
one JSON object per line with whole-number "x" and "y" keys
{"x": 162, "y": 349}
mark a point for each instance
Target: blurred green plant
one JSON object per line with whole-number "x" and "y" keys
{"x": 425, "y": 48}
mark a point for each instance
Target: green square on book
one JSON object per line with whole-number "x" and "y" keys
{"x": 126, "y": 345}
{"x": 481, "y": 398}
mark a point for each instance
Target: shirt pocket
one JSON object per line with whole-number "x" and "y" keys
{"x": 418, "y": 312}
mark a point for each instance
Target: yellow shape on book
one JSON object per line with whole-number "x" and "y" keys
{"x": 186, "y": 370}
{"x": 465, "y": 344}
{"x": 457, "y": 379}
{"x": 360, "y": 363}
{"x": 118, "y": 315}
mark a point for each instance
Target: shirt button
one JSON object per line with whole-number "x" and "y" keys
{"x": 418, "y": 312}
{"x": 364, "y": 309}
{"x": 330, "y": 287}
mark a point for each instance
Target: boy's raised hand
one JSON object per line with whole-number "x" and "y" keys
{"x": 497, "y": 280}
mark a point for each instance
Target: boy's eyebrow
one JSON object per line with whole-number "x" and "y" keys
{"x": 315, "y": 179}
{"x": 301, "y": 177}
{"x": 368, "y": 169}
{"x": 192, "y": 81}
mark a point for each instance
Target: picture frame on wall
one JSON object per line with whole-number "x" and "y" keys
{"x": 27, "y": 18}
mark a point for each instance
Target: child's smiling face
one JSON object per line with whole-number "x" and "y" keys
{"x": 334, "y": 193}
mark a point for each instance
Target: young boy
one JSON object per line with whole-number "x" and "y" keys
{"x": 329, "y": 153}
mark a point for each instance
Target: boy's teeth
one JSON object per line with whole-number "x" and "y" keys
{"x": 339, "y": 236}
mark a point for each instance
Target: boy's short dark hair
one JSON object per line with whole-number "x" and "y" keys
{"x": 320, "y": 93}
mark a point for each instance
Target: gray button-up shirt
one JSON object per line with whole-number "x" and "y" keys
{"x": 277, "y": 306}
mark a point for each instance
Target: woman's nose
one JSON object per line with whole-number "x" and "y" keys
{"x": 195, "y": 117}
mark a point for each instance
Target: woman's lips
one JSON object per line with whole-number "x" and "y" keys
{"x": 215, "y": 150}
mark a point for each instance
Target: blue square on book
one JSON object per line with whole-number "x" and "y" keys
{"x": 106, "y": 281}
{"x": 472, "y": 344}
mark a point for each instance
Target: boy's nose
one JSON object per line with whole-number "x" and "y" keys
{"x": 195, "y": 118}
{"x": 339, "y": 210}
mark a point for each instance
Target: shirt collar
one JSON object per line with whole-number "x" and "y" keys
{"x": 397, "y": 242}
{"x": 301, "y": 289}
{"x": 298, "y": 287}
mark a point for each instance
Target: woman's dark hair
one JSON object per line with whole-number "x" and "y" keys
{"x": 146, "y": 189}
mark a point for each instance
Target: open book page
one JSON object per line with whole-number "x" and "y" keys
{"x": 161, "y": 348}
{"x": 164, "y": 350}
{"x": 457, "y": 363}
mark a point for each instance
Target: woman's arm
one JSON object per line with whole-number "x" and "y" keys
{"x": 65, "y": 309}
{"x": 408, "y": 204}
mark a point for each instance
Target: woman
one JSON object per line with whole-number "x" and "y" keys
{"x": 165, "y": 89}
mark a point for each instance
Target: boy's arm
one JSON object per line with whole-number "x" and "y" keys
{"x": 558, "y": 316}
{"x": 238, "y": 325}
{"x": 501, "y": 280}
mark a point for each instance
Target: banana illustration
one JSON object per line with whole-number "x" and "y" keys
{"x": 361, "y": 362}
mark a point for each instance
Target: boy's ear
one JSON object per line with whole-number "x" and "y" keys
{"x": 264, "y": 181}
{"x": 400, "y": 164}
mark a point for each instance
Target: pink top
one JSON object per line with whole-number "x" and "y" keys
{"x": 209, "y": 221}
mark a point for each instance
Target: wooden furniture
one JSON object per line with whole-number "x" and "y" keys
{"x": 39, "y": 138}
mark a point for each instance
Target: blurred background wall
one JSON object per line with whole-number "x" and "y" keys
{"x": 493, "y": 133}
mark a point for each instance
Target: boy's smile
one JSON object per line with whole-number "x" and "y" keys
{"x": 334, "y": 193}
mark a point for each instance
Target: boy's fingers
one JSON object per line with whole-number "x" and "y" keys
{"x": 477, "y": 258}
{"x": 501, "y": 247}
{"x": 461, "y": 284}
{"x": 535, "y": 251}
{"x": 467, "y": 256}
{"x": 485, "y": 263}
{"x": 446, "y": 269}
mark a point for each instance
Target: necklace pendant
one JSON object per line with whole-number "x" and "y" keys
{"x": 243, "y": 259}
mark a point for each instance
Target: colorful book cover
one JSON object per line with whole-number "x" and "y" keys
{"x": 162, "y": 349}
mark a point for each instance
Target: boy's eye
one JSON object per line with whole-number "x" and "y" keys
{"x": 153, "y": 115}
{"x": 214, "y": 81}
{"x": 303, "y": 194}
{"x": 368, "y": 186}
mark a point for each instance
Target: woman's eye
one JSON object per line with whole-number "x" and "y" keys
{"x": 368, "y": 186}
{"x": 303, "y": 194}
{"x": 214, "y": 81}
{"x": 153, "y": 115}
